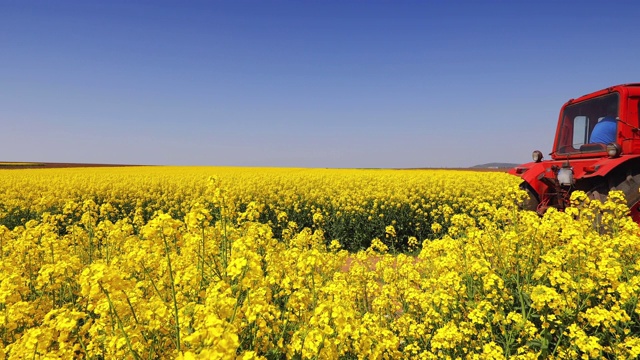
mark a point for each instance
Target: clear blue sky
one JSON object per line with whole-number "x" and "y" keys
{"x": 302, "y": 83}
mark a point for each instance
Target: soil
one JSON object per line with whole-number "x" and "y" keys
{"x": 8, "y": 165}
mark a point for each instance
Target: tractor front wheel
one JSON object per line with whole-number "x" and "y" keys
{"x": 531, "y": 202}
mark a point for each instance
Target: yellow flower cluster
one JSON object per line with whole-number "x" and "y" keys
{"x": 248, "y": 263}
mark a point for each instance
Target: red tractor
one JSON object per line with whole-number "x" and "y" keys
{"x": 596, "y": 149}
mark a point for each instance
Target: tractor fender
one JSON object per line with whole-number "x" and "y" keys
{"x": 529, "y": 172}
{"x": 532, "y": 172}
{"x": 604, "y": 166}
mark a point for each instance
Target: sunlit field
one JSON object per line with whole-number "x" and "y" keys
{"x": 212, "y": 262}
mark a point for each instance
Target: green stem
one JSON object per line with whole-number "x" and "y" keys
{"x": 202, "y": 263}
{"x": 153, "y": 283}
{"x": 133, "y": 312}
{"x": 173, "y": 292}
{"x": 84, "y": 347}
{"x": 240, "y": 299}
{"x": 120, "y": 326}
{"x": 90, "y": 231}
{"x": 225, "y": 244}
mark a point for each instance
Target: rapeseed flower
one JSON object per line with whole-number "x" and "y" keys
{"x": 198, "y": 263}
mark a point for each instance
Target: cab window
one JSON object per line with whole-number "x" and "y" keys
{"x": 579, "y": 120}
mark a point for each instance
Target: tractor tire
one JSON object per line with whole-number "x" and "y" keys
{"x": 631, "y": 189}
{"x": 531, "y": 202}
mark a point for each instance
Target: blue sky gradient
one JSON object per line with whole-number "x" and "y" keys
{"x": 302, "y": 83}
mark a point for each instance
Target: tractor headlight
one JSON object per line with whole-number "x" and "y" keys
{"x": 565, "y": 175}
{"x": 537, "y": 156}
{"x": 613, "y": 149}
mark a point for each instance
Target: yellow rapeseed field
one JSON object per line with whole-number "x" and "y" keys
{"x": 211, "y": 262}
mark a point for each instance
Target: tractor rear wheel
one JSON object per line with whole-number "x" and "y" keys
{"x": 631, "y": 188}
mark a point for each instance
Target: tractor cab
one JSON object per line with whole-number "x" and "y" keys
{"x": 586, "y": 128}
{"x": 596, "y": 149}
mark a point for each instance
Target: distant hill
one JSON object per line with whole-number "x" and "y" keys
{"x": 495, "y": 165}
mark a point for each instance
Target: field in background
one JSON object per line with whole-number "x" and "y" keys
{"x": 355, "y": 205}
{"x": 210, "y": 262}
{"x": 52, "y": 165}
